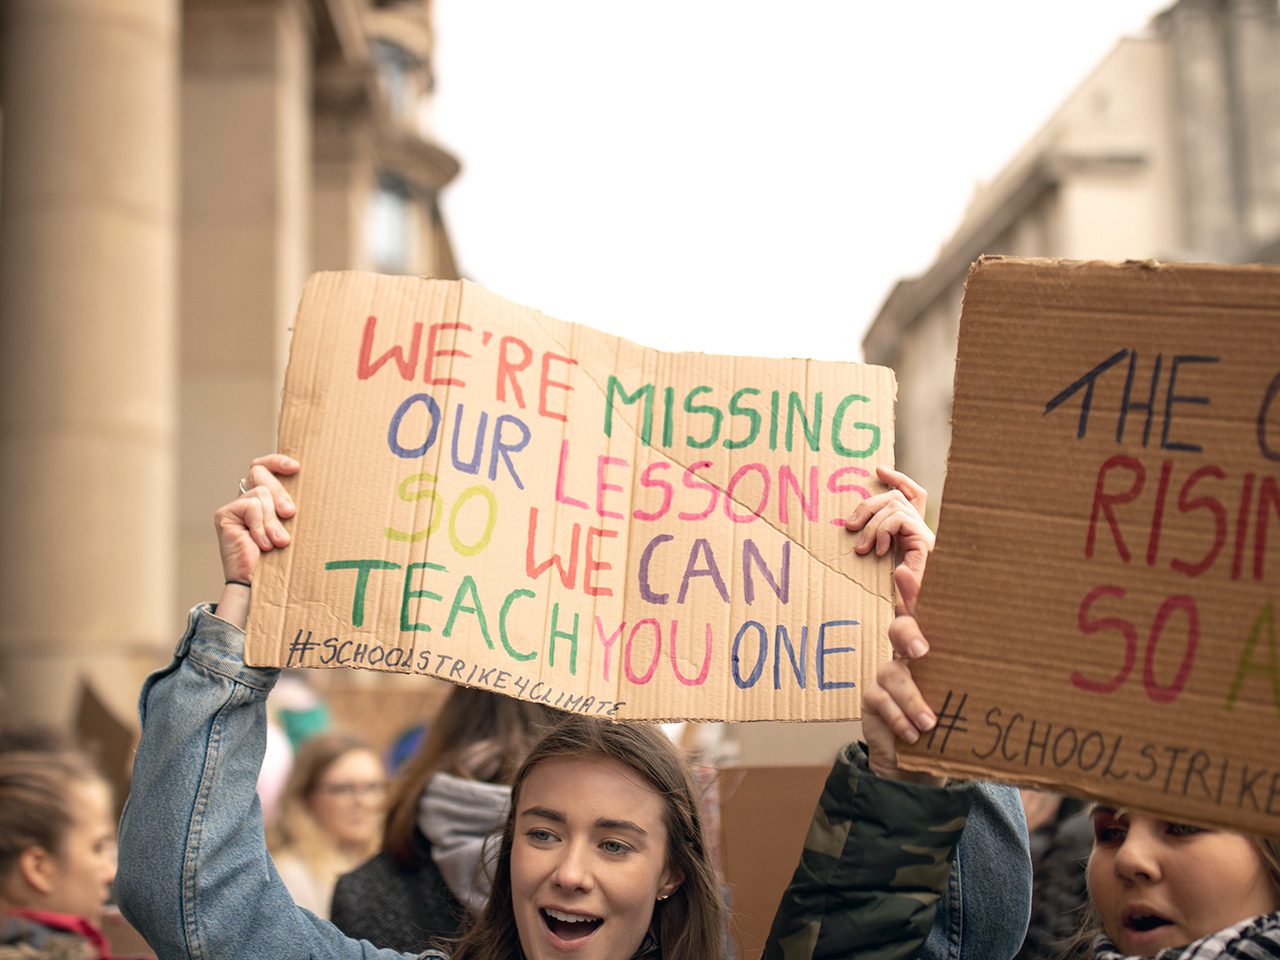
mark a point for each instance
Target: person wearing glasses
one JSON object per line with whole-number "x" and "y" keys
{"x": 330, "y": 820}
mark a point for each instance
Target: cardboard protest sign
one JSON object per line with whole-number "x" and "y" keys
{"x": 1102, "y": 601}
{"x": 507, "y": 501}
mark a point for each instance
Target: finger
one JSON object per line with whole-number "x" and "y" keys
{"x": 266, "y": 471}
{"x": 869, "y": 524}
{"x": 916, "y": 495}
{"x": 270, "y": 522}
{"x": 900, "y": 688}
{"x": 865, "y": 510}
{"x": 906, "y": 637}
{"x": 249, "y": 509}
{"x": 878, "y": 704}
{"x": 907, "y": 580}
{"x": 889, "y": 525}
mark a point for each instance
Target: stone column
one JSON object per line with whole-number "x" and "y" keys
{"x": 87, "y": 254}
{"x": 246, "y": 249}
{"x": 1207, "y": 126}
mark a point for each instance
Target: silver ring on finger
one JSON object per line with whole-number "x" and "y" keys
{"x": 244, "y": 486}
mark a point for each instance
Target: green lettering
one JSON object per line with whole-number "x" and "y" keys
{"x": 413, "y": 594}
{"x": 1266, "y": 620}
{"x": 646, "y": 392}
{"x": 362, "y": 581}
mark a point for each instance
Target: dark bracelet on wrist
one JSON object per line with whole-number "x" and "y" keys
{"x": 238, "y": 583}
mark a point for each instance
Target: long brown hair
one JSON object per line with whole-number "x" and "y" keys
{"x": 688, "y": 925}
{"x": 477, "y": 735}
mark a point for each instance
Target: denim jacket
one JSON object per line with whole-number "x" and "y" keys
{"x": 195, "y": 877}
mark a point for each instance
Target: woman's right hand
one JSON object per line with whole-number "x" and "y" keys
{"x": 250, "y": 526}
{"x": 893, "y": 707}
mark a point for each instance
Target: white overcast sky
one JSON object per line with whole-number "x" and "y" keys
{"x": 738, "y": 177}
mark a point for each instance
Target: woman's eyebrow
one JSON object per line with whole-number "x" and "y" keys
{"x": 606, "y": 824}
{"x": 546, "y": 813}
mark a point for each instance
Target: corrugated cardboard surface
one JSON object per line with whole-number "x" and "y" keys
{"x": 1102, "y": 602}
{"x": 508, "y": 501}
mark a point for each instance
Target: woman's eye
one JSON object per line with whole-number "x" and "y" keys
{"x": 1184, "y": 830}
{"x": 614, "y": 847}
{"x": 1108, "y": 833}
{"x": 539, "y": 835}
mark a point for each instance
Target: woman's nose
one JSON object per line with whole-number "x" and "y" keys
{"x": 573, "y": 871}
{"x": 1139, "y": 856}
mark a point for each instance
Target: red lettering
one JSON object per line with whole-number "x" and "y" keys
{"x": 366, "y": 367}
{"x": 1155, "y": 691}
{"x": 1104, "y": 502}
{"x": 1093, "y": 626}
{"x": 546, "y": 382}
{"x": 608, "y": 642}
{"x": 693, "y": 482}
{"x": 568, "y": 572}
{"x": 433, "y": 352}
{"x": 561, "y": 496}
{"x": 741, "y": 472}
{"x": 835, "y": 487}
{"x": 594, "y": 564}
{"x": 788, "y": 480}
{"x": 1242, "y": 526}
{"x": 648, "y": 481}
{"x": 1157, "y": 513}
{"x": 507, "y": 368}
{"x": 602, "y": 485}
{"x": 1219, "y": 521}
{"x": 627, "y": 668}
{"x": 1269, "y": 493}
{"x": 701, "y": 678}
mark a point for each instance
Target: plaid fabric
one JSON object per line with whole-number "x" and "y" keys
{"x": 1257, "y": 938}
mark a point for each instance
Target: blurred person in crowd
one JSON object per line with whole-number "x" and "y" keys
{"x": 330, "y": 816}
{"x": 1061, "y": 837}
{"x": 57, "y": 856}
{"x": 444, "y": 819}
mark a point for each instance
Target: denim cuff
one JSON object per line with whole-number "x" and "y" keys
{"x": 218, "y": 647}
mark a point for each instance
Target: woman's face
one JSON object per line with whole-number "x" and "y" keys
{"x": 81, "y": 873}
{"x": 588, "y": 860}
{"x": 1160, "y": 884}
{"x": 350, "y": 797}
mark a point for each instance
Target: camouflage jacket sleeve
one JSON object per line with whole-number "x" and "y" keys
{"x": 874, "y": 865}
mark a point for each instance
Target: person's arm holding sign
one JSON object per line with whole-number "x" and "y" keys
{"x": 195, "y": 878}
{"x": 896, "y": 864}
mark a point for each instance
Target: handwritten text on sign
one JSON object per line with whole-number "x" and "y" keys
{"x": 1126, "y": 620}
{"x": 507, "y": 501}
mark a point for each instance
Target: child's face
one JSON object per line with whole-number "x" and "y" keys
{"x": 588, "y": 860}
{"x": 84, "y": 869}
{"x": 1160, "y": 884}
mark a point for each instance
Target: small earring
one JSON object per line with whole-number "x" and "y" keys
{"x": 663, "y": 897}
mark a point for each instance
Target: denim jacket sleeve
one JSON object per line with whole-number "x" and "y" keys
{"x": 892, "y": 871}
{"x": 194, "y": 876}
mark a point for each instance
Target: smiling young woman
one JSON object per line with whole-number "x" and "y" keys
{"x": 603, "y": 855}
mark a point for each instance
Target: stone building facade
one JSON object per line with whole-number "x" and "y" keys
{"x": 1169, "y": 149}
{"x": 172, "y": 172}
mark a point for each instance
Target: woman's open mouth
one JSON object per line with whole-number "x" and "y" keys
{"x": 1143, "y": 921}
{"x": 567, "y": 926}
